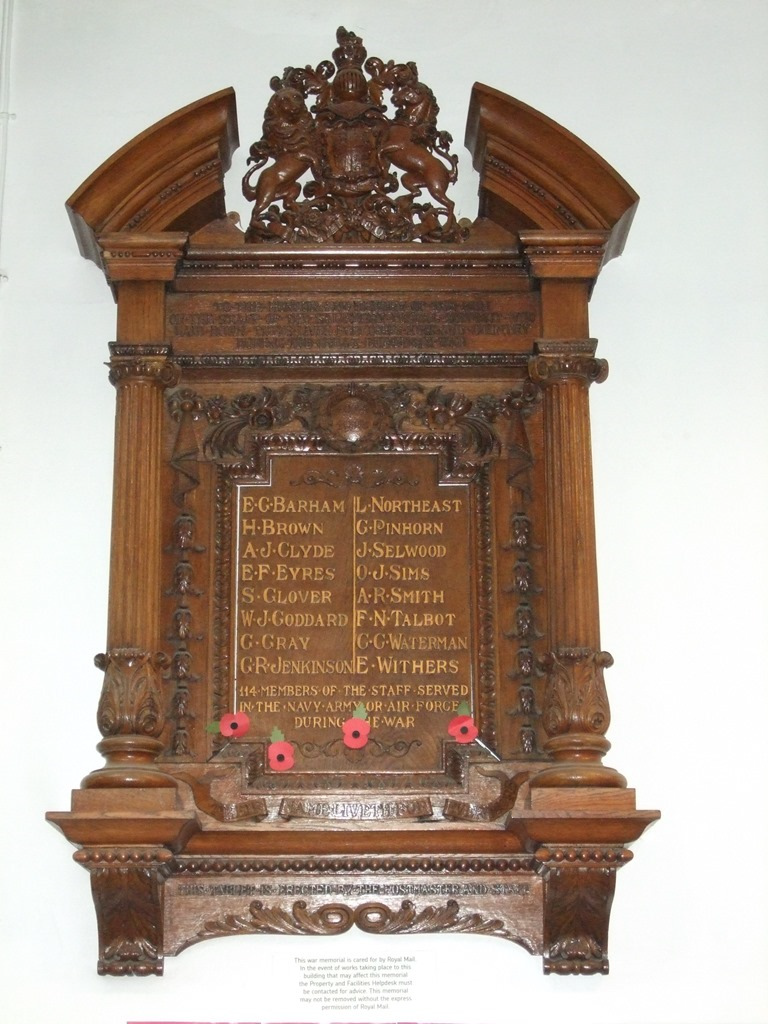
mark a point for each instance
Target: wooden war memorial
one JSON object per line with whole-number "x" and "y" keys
{"x": 353, "y": 673}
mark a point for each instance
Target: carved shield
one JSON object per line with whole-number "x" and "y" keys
{"x": 351, "y": 158}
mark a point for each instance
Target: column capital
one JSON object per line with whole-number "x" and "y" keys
{"x": 150, "y": 363}
{"x": 558, "y": 360}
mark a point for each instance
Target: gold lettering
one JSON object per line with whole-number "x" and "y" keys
{"x": 304, "y": 573}
{"x": 417, "y": 666}
{"x": 278, "y": 528}
{"x": 273, "y": 595}
{"x": 270, "y": 642}
{"x": 374, "y": 569}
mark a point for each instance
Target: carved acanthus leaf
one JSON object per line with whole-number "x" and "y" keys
{"x": 576, "y": 921}
{"x": 130, "y": 702}
{"x": 128, "y": 901}
{"x": 576, "y": 699}
{"x": 336, "y": 918}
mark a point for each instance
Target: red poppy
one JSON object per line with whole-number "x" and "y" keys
{"x": 355, "y": 732}
{"x": 234, "y": 725}
{"x": 280, "y": 754}
{"x": 463, "y": 729}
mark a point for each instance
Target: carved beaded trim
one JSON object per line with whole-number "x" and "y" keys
{"x": 583, "y": 855}
{"x": 360, "y": 359}
{"x": 530, "y": 186}
{"x": 151, "y": 855}
{"x": 335, "y": 865}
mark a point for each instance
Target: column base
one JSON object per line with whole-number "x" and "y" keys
{"x": 130, "y": 763}
{"x": 577, "y": 763}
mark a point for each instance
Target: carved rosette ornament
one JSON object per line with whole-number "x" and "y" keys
{"x": 352, "y": 149}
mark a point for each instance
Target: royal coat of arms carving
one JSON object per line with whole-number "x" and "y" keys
{"x": 366, "y": 167}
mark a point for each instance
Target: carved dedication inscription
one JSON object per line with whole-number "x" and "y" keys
{"x": 352, "y": 588}
{"x": 488, "y": 321}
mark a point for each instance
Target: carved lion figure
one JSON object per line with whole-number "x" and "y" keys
{"x": 289, "y": 139}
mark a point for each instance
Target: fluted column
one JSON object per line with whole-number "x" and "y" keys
{"x": 140, "y": 378}
{"x": 575, "y": 714}
{"x": 131, "y": 708}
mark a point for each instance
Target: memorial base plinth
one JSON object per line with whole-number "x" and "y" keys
{"x": 165, "y": 877}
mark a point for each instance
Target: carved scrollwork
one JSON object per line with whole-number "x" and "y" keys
{"x": 460, "y": 810}
{"x": 373, "y": 748}
{"x": 352, "y": 418}
{"x": 557, "y": 361}
{"x": 546, "y": 369}
{"x": 337, "y": 918}
{"x": 143, "y": 363}
{"x": 253, "y": 809}
{"x": 130, "y": 701}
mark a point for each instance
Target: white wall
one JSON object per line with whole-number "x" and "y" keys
{"x": 672, "y": 94}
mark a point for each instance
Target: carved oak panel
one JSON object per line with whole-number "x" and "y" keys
{"x": 353, "y": 674}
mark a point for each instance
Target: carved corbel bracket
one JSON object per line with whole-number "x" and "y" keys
{"x": 578, "y": 893}
{"x": 127, "y": 888}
